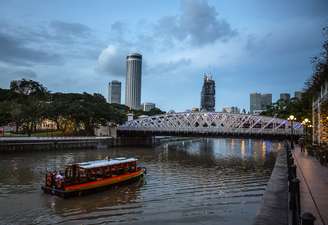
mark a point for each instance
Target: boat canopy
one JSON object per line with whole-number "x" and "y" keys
{"x": 105, "y": 162}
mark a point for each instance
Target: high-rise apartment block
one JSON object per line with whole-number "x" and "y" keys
{"x": 208, "y": 94}
{"x": 147, "y": 106}
{"x": 298, "y": 95}
{"x": 259, "y": 101}
{"x": 114, "y": 92}
{"x": 285, "y": 97}
{"x": 232, "y": 109}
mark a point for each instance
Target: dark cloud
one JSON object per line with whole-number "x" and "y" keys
{"x": 198, "y": 22}
{"x": 299, "y": 8}
{"x": 14, "y": 50}
{"x": 168, "y": 67}
{"x": 46, "y": 43}
{"x": 70, "y": 29}
{"x": 8, "y": 74}
{"x": 288, "y": 40}
{"x": 25, "y": 73}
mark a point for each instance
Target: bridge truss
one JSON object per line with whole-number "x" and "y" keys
{"x": 212, "y": 123}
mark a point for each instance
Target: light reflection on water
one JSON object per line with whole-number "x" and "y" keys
{"x": 203, "y": 181}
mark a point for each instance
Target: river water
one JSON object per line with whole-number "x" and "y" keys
{"x": 200, "y": 181}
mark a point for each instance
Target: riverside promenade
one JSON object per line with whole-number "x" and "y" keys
{"x": 313, "y": 186}
{"x": 47, "y": 143}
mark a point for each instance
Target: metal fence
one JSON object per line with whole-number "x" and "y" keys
{"x": 294, "y": 194}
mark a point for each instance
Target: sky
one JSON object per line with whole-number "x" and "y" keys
{"x": 79, "y": 46}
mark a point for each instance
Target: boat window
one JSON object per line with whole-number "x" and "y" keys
{"x": 69, "y": 172}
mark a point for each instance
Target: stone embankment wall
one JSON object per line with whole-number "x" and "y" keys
{"x": 274, "y": 208}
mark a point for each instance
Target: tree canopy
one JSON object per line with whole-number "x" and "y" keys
{"x": 27, "y": 103}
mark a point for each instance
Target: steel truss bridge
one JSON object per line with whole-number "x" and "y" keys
{"x": 210, "y": 124}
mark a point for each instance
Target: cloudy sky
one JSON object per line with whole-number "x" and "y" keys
{"x": 248, "y": 46}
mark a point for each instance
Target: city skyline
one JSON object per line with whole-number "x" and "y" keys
{"x": 41, "y": 41}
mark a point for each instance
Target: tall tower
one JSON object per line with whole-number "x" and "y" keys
{"x": 133, "y": 81}
{"x": 208, "y": 94}
{"x": 255, "y": 102}
{"x": 114, "y": 92}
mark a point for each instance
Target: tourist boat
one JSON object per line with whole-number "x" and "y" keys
{"x": 87, "y": 177}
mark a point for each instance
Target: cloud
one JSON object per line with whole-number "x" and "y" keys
{"x": 25, "y": 73}
{"x": 111, "y": 61}
{"x": 197, "y": 22}
{"x": 14, "y": 50}
{"x": 298, "y": 8}
{"x": 70, "y": 29}
{"x": 168, "y": 67}
{"x": 8, "y": 74}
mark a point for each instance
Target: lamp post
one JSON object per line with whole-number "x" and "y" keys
{"x": 291, "y": 118}
{"x": 306, "y": 123}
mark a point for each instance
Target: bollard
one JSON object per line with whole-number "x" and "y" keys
{"x": 308, "y": 219}
{"x": 293, "y": 170}
{"x": 294, "y": 201}
{"x": 290, "y": 161}
{"x": 292, "y": 197}
{"x": 296, "y": 183}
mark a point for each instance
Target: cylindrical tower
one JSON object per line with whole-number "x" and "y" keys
{"x": 133, "y": 81}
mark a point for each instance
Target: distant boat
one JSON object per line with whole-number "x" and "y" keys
{"x": 86, "y": 177}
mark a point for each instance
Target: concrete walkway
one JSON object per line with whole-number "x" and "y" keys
{"x": 313, "y": 186}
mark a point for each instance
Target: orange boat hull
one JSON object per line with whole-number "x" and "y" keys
{"x": 84, "y": 188}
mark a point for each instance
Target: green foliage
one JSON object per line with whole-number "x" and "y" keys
{"x": 27, "y": 103}
{"x": 301, "y": 109}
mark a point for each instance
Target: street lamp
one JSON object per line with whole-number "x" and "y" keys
{"x": 306, "y": 123}
{"x": 291, "y": 118}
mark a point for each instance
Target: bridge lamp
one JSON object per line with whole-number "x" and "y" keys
{"x": 291, "y": 118}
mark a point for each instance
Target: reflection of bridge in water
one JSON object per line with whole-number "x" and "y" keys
{"x": 210, "y": 124}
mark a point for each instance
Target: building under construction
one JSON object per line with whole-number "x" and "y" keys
{"x": 208, "y": 94}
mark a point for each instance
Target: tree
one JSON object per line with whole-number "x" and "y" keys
{"x": 28, "y": 87}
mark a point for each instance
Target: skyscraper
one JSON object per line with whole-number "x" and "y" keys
{"x": 285, "y": 97}
{"x": 255, "y": 102}
{"x": 208, "y": 94}
{"x": 266, "y": 100}
{"x": 114, "y": 92}
{"x": 259, "y": 101}
{"x": 133, "y": 81}
{"x": 298, "y": 95}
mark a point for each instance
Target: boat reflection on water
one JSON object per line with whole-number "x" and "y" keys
{"x": 118, "y": 197}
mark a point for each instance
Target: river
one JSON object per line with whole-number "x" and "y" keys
{"x": 200, "y": 181}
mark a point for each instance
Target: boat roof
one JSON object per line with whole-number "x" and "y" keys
{"x": 105, "y": 162}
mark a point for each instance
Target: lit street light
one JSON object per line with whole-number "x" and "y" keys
{"x": 306, "y": 123}
{"x": 291, "y": 118}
